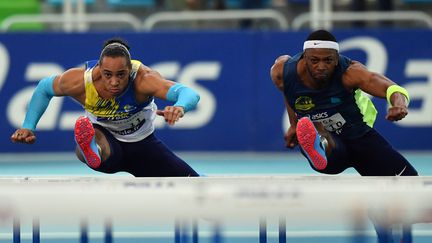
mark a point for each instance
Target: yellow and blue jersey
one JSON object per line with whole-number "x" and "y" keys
{"x": 126, "y": 119}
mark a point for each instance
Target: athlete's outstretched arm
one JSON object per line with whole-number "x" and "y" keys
{"x": 357, "y": 76}
{"x": 184, "y": 98}
{"x": 276, "y": 73}
{"x": 291, "y": 134}
{"x": 47, "y": 88}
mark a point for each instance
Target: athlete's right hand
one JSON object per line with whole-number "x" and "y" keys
{"x": 291, "y": 137}
{"x": 23, "y": 135}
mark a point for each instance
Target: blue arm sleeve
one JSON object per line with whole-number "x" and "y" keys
{"x": 39, "y": 102}
{"x": 183, "y": 96}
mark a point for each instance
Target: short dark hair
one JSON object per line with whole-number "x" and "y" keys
{"x": 116, "y": 47}
{"x": 323, "y": 35}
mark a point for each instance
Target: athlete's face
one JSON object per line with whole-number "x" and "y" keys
{"x": 115, "y": 74}
{"x": 320, "y": 64}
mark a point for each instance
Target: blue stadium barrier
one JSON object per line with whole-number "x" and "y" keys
{"x": 240, "y": 108}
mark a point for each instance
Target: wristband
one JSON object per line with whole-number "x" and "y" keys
{"x": 396, "y": 88}
{"x": 183, "y": 96}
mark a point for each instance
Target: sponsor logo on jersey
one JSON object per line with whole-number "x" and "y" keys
{"x": 304, "y": 103}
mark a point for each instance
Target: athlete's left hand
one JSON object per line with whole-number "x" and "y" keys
{"x": 396, "y": 113}
{"x": 171, "y": 114}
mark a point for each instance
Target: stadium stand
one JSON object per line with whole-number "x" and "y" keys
{"x": 298, "y": 14}
{"x": 60, "y": 2}
{"x": 131, "y": 3}
{"x": 9, "y": 8}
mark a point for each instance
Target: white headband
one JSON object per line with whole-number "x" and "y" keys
{"x": 320, "y": 44}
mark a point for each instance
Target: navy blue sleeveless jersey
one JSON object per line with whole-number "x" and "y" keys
{"x": 334, "y": 106}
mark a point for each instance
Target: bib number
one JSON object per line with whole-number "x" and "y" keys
{"x": 333, "y": 123}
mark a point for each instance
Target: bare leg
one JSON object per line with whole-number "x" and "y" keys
{"x": 326, "y": 139}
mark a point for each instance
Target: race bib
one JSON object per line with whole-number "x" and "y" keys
{"x": 333, "y": 123}
{"x": 128, "y": 125}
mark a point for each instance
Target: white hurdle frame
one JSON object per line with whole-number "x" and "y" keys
{"x": 391, "y": 200}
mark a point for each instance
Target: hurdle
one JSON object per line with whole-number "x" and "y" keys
{"x": 293, "y": 200}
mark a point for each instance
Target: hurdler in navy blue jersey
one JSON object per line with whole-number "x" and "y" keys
{"x": 330, "y": 118}
{"x": 117, "y": 132}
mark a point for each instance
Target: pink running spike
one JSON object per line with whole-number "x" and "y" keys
{"x": 85, "y": 139}
{"x": 309, "y": 140}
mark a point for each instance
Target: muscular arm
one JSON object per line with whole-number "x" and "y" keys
{"x": 276, "y": 73}
{"x": 357, "y": 76}
{"x": 65, "y": 84}
{"x": 151, "y": 83}
{"x": 71, "y": 83}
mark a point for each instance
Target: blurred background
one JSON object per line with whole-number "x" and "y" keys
{"x": 222, "y": 49}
